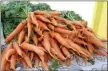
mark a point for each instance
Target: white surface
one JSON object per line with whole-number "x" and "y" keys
{"x": 83, "y": 8}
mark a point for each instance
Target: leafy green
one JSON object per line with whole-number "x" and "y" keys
{"x": 91, "y": 61}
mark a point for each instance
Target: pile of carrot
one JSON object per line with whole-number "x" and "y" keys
{"x": 45, "y": 35}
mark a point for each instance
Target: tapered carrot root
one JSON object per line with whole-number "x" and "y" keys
{"x": 37, "y": 61}
{"x": 27, "y": 59}
{"x": 45, "y": 66}
{"x": 50, "y": 26}
{"x": 38, "y": 31}
{"x": 79, "y": 41}
{"x": 26, "y": 39}
{"x": 68, "y": 61}
{"x": 23, "y": 63}
{"x": 55, "y": 46}
{"x": 54, "y": 22}
{"x": 42, "y": 18}
{"x": 34, "y": 19}
{"x": 17, "y": 48}
{"x": 9, "y": 53}
{"x": 18, "y": 29}
{"x": 35, "y": 40}
{"x": 21, "y": 37}
{"x": 31, "y": 55}
{"x": 13, "y": 61}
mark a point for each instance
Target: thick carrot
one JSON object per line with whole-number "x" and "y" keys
{"x": 13, "y": 61}
{"x": 42, "y": 18}
{"x": 63, "y": 31}
{"x": 21, "y": 37}
{"x": 42, "y": 25}
{"x": 50, "y": 26}
{"x": 34, "y": 48}
{"x": 17, "y": 48}
{"x": 34, "y": 19}
{"x": 37, "y": 61}
{"x": 56, "y": 47}
{"x": 27, "y": 59}
{"x": 54, "y": 22}
{"x": 23, "y": 63}
{"x": 7, "y": 66}
{"x": 62, "y": 20}
{"x": 29, "y": 26}
{"x": 35, "y": 40}
{"x": 9, "y": 53}
{"x": 18, "y": 29}
{"x": 38, "y": 31}
{"x": 66, "y": 52}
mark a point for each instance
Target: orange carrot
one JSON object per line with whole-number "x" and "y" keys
{"x": 34, "y": 19}
{"x": 54, "y": 22}
{"x": 7, "y": 66}
{"x": 35, "y": 40}
{"x": 45, "y": 66}
{"x": 34, "y": 48}
{"x": 37, "y": 61}
{"x": 18, "y": 29}
{"x": 31, "y": 55}
{"x": 79, "y": 41}
{"x": 55, "y": 46}
{"x": 17, "y": 48}
{"x": 21, "y": 37}
{"x": 68, "y": 61}
{"x": 26, "y": 39}
{"x": 40, "y": 38}
{"x": 42, "y": 25}
{"x": 13, "y": 61}
{"x": 38, "y": 31}
{"x": 61, "y": 26}
{"x": 54, "y": 13}
{"x": 53, "y": 51}
{"x": 27, "y": 59}
{"x": 23, "y": 63}
{"x": 9, "y": 53}
{"x": 29, "y": 26}
{"x": 38, "y": 12}
{"x": 3, "y": 63}
{"x": 42, "y": 48}
{"x": 42, "y": 18}
{"x": 50, "y": 26}
{"x": 66, "y": 52}
{"x": 61, "y": 30}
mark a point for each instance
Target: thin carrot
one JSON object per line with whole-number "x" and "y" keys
{"x": 34, "y": 48}
{"x": 35, "y": 40}
{"x": 34, "y": 19}
{"x": 27, "y": 59}
{"x": 9, "y": 53}
{"x": 37, "y": 61}
{"x": 13, "y": 61}
{"x": 17, "y": 48}
{"x": 23, "y": 63}
{"x": 26, "y": 39}
{"x": 66, "y": 52}
{"x": 45, "y": 66}
{"x": 56, "y": 47}
{"x": 29, "y": 26}
{"x": 31, "y": 55}
{"x": 39, "y": 12}
{"x": 54, "y": 51}
{"x": 68, "y": 61}
{"x": 18, "y": 29}
{"x": 41, "y": 47}
{"x": 79, "y": 41}
{"x": 42, "y": 18}
{"x": 7, "y": 66}
{"x": 42, "y": 25}
{"x": 21, "y": 37}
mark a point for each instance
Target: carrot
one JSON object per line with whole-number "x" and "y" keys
{"x": 31, "y": 55}
{"x": 53, "y": 51}
{"x": 38, "y": 12}
{"x": 13, "y": 61}
{"x": 68, "y": 61}
{"x": 21, "y": 37}
{"x": 54, "y": 13}
{"x": 17, "y": 48}
{"x": 9, "y": 53}
{"x": 62, "y": 20}
{"x": 29, "y": 26}
{"x": 61, "y": 26}
{"x": 45, "y": 66}
{"x": 23, "y": 63}
{"x": 40, "y": 38}
{"x": 42, "y": 25}
{"x": 3, "y": 63}
{"x": 77, "y": 23}
{"x": 79, "y": 41}
{"x": 9, "y": 46}
{"x": 26, "y": 39}
{"x": 66, "y": 52}
{"x": 57, "y": 49}
{"x": 18, "y": 29}
{"x": 34, "y": 19}
{"x": 27, "y": 59}
{"x": 42, "y": 18}
{"x": 100, "y": 52}
{"x": 7, "y": 66}
{"x": 54, "y": 22}
{"x": 59, "y": 38}
{"x": 35, "y": 40}
{"x": 41, "y": 48}
{"x": 61, "y": 30}
{"x": 50, "y": 26}
{"x": 37, "y": 61}
{"x": 38, "y": 31}
{"x": 90, "y": 48}
{"x": 34, "y": 48}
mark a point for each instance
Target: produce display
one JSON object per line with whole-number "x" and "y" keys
{"x": 45, "y": 35}
{"x": 13, "y": 12}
